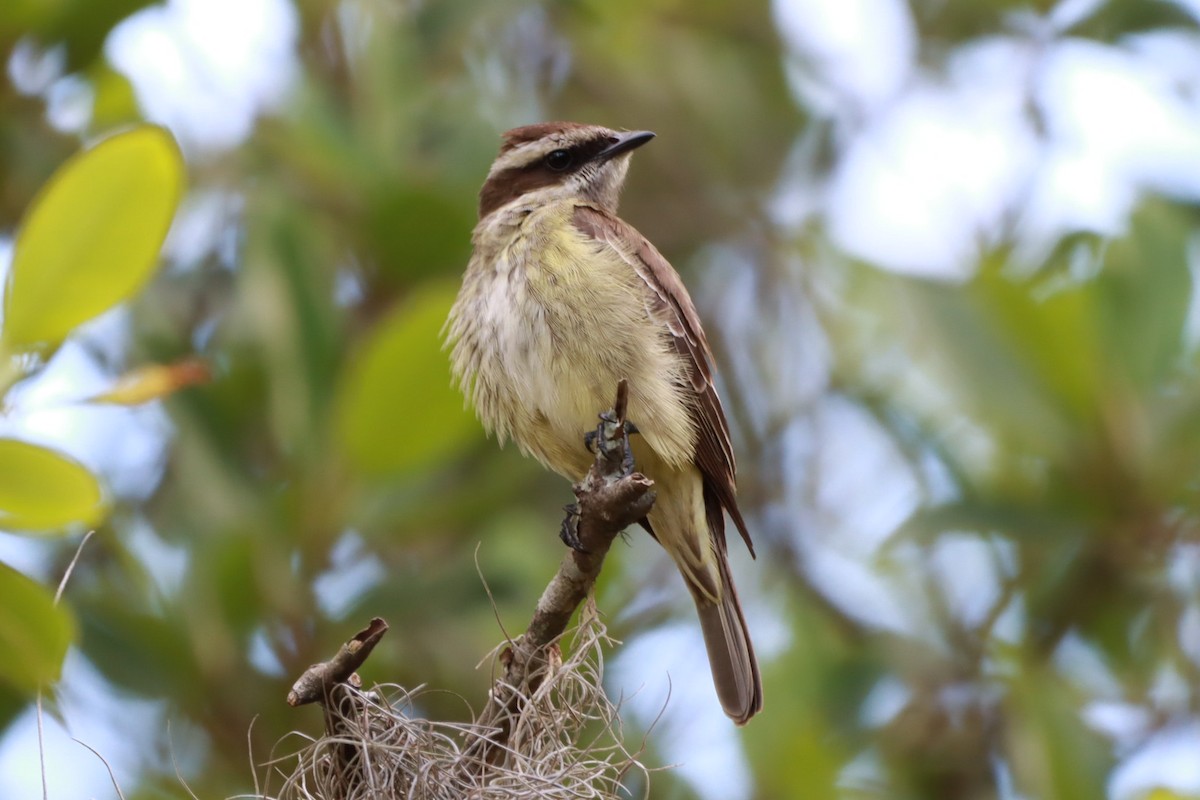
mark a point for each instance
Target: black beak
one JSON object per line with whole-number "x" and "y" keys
{"x": 624, "y": 142}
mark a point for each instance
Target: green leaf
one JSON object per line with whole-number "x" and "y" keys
{"x": 41, "y": 490}
{"x": 397, "y": 408}
{"x": 91, "y": 237}
{"x": 34, "y": 633}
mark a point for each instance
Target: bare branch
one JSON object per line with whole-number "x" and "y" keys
{"x": 609, "y": 499}
{"x": 318, "y": 680}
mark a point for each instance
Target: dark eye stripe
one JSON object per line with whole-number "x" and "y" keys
{"x": 577, "y": 155}
{"x": 516, "y": 181}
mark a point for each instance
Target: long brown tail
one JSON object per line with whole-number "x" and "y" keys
{"x": 730, "y": 653}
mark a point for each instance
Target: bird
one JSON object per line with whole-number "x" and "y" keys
{"x": 561, "y": 300}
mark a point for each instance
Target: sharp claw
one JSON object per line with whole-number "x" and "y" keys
{"x": 569, "y": 533}
{"x": 627, "y": 449}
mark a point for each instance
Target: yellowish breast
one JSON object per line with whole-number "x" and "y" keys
{"x": 559, "y": 319}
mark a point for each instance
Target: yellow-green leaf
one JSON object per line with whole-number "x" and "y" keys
{"x": 92, "y": 236}
{"x": 41, "y": 490}
{"x": 397, "y": 408}
{"x": 34, "y": 633}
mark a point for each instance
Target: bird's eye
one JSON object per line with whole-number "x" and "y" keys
{"x": 559, "y": 160}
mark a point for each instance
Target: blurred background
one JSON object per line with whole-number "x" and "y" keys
{"x": 945, "y": 252}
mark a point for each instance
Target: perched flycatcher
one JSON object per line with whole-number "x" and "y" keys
{"x": 561, "y": 300}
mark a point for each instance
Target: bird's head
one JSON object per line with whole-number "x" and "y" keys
{"x": 556, "y": 160}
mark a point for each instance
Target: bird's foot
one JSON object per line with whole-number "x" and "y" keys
{"x": 597, "y": 441}
{"x": 627, "y": 449}
{"x": 610, "y": 440}
{"x": 569, "y": 532}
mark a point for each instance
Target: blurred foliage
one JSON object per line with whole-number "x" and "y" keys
{"x": 34, "y": 633}
{"x": 80, "y": 26}
{"x": 390, "y": 417}
{"x": 1048, "y": 412}
{"x": 89, "y": 240}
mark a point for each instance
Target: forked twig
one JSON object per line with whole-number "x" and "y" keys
{"x": 609, "y": 498}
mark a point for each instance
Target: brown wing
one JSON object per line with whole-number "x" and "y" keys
{"x": 671, "y": 303}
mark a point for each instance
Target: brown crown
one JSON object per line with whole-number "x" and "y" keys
{"x": 531, "y": 133}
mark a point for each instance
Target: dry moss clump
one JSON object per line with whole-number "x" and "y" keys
{"x": 563, "y": 740}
